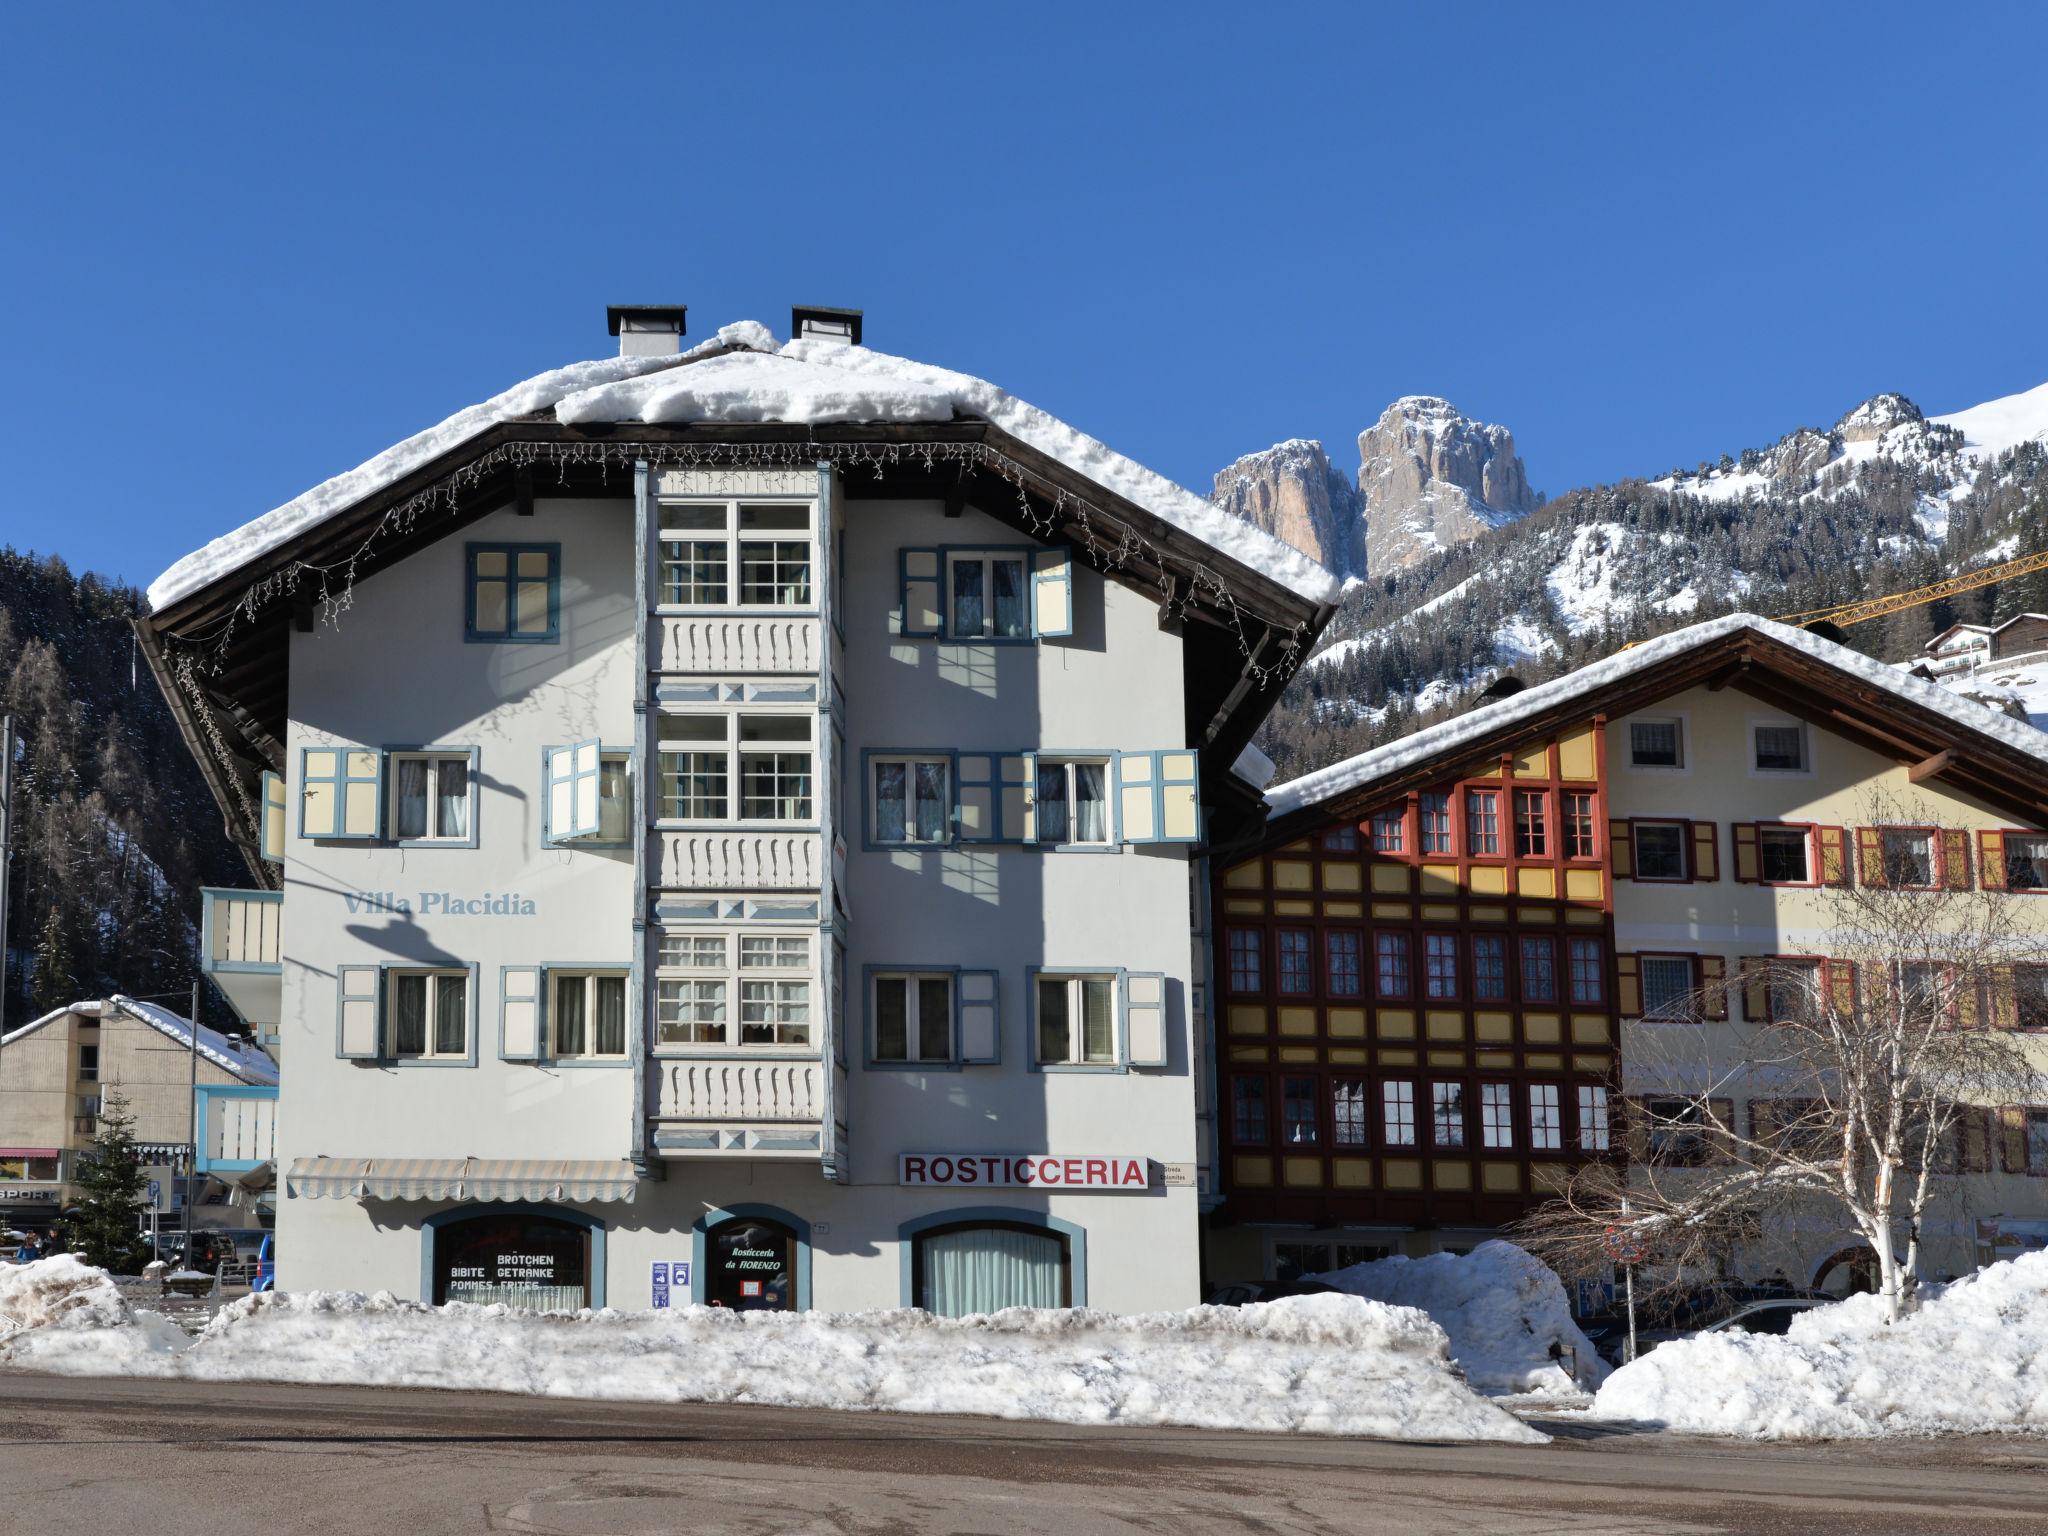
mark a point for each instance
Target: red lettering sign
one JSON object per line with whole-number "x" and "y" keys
{"x": 1022, "y": 1170}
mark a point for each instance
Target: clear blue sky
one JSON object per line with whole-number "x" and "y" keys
{"x": 246, "y": 249}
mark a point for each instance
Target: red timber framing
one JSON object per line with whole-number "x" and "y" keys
{"x": 1450, "y": 981}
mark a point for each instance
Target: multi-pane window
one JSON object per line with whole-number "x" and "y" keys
{"x": 2026, "y": 862}
{"x": 1922, "y": 989}
{"x": 1348, "y": 1113}
{"x": 429, "y": 1014}
{"x": 1447, "y": 1114}
{"x": 1390, "y": 952}
{"x": 1245, "y": 968}
{"x": 914, "y": 1018}
{"x": 1073, "y": 802}
{"x": 1587, "y": 971}
{"x": 1660, "y": 850}
{"x": 1909, "y": 857}
{"x": 1298, "y": 1110}
{"x": 1436, "y": 823}
{"x": 1340, "y": 948}
{"x": 514, "y": 593}
{"x": 1667, "y": 983}
{"x": 1397, "y": 1113}
{"x": 614, "y": 797}
{"x": 1546, "y": 1124}
{"x": 766, "y": 758}
{"x": 432, "y": 797}
{"x": 1297, "y": 977}
{"x": 1782, "y": 855}
{"x": 587, "y": 1014}
{"x": 1440, "y": 965}
{"x": 1539, "y": 970}
{"x": 696, "y": 985}
{"x": 988, "y": 597}
{"x": 1656, "y": 744}
{"x": 692, "y": 952}
{"x": 1248, "y": 1110}
{"x": 1532, "y": 823}
{"x": 769, "y": 545}
{"x": 1077, "y": 1020}
{"x": 913, "y": 801}
{"x": 1578, "y": 825}
{"x": 1593, "y": 1135}
{"x": 1780, "y": 748}
{"x": 1792, "y": 989}
{"x": 775, "y": 1013}
{"x": 1387, "y": 829}
{"x": 2030, "y": 996}
{"x": 1489, "y": 967}
{"x": 1678, "y": 1131}
{"x": 1496, "y": 1115}
{"x": 1482, "y": 822}
{"x": 690, "y": 1011}
{"x": 1341, "y": 840}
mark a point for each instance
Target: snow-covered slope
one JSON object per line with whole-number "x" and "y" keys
{"x": 745, "y": 375}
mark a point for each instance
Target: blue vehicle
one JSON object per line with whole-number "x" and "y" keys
{"x": 265, "y": 1278}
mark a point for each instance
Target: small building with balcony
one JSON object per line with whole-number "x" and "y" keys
{"x": 732, "y": 835}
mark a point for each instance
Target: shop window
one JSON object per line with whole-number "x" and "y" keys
{"x": 1656, "y": 744}
{"x": 983, "y": 1267}
{"x": 750, "y": 1265}
{"x": 528, "y": 1262}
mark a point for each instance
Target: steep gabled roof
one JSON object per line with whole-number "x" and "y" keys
{"x": 2002, "y": 760}
{"x": 746, "y": 375}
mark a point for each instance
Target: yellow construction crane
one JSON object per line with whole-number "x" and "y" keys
{"x": 1845, "y": 614}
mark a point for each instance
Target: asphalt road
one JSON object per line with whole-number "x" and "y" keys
{"x": 111, "y": 1457}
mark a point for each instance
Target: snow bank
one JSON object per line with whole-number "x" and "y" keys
{"x": 1333, "y": 1365}
{"x": 1973, "y": 1358}
{"x": 80, "y": 1313}
{"x": 745, "y": 375}
{"x": 1501, "y": 1307}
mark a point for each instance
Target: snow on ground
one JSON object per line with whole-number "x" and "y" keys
{"x": 1998, "y": 425}
{"x": 1995, "y": 683}
{"x": 1973, "y": 1359}
{"x": 743, "y": 374}
{"x": 1336, "y": 1365}
{"x": 1501, "y": 1307}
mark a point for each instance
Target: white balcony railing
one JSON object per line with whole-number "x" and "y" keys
{"x": 725, "y": 644}
{"x": 742, "y": 1092}
{"x": 242, "y": 929}
{"x": 737, "y": 861}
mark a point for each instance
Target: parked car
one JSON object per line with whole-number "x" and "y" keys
{"x": 265, "y": 1277}
{"x": 1266, "y": 1290}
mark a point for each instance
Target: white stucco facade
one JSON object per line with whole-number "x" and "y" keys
{"x": 806, "y": 1129}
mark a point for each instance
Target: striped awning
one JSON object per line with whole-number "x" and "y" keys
{"x": 459, "y": 1178}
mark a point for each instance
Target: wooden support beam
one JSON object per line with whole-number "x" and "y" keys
{"x": 1928, "y": 767}
{"x": 1726, "y": 675}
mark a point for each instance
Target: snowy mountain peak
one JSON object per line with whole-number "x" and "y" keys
{"x": 1431, "y": 477}
{"x": 1875, "y": 417}
{"x": 1292, "y": 491}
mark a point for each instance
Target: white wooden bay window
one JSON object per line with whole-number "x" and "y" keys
{"x": 737, "y": 554}
{"x": 756, "y": 768}
{"x": 734, "y": 990}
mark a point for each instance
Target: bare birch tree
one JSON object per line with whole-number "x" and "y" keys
{"x": 1870, "y": 1078}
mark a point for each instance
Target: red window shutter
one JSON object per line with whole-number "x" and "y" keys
{"x": 1621, "y": 850}
{"x": 1747, "y": 868}
{"x": 1714, "y": 986}
{"x": 1955, "y": 859}
{"x": 1976, "y": 1135}
{"x": 1991, "y": 860}
{"x": 1756, "y": 992}
{"x": 2005, "y": 998}
{"x": 1869, "y": 856}
{"x": 1706, "y": 850}
{"x": 1628, "y": 986}
{"x": 1841, "y": 984}
{"x": 2012, "y": 1124}
{"x": 1834, "y": 855}
{"x": 1722, "y": 1111}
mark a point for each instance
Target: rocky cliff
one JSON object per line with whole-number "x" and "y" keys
{"x": 1431, "y": 478}
{"x": 1293, "y": 492}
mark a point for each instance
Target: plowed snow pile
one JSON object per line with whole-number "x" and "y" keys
{"x": 1332, "y": 1365}
{"x": 1973, "y": 1358}
{"x": 1501, "y": 1306}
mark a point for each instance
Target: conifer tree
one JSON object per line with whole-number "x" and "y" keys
{"x": 107, "y": 1231}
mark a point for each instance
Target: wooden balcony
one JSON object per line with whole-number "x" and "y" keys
{"x": 734, "y": 1107}
{"x": 237, "y": 1127}
{"x": 240, "y": 936}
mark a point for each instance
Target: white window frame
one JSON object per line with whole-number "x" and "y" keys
{"x": 910, "y": 762}
{"x": 911, "y": 981}
{"x": 1067, "y": 765}
{"x": 736, "y": 749}
{"x": 1546, "y": 1119}
{"x": 693, "y": 959}
{"x": 1448, "y": 1096}
{"x": 436, "y": 761}
{"x": 1679, "y": 724}
{"x": 735, "y": 538}
{"x": 1756, "y": 723}
{"x": 1595, "y": 1131}
{"x": 988, "y": 559}
{"x": 1397, "y": 1114}
{"x": 1076, "y": 1052}
{"x": 1934, "y": 857}
{"x": 1497, "y": 1117}
{"x": 589, "y": 979}
{"x": 436, "y": 977}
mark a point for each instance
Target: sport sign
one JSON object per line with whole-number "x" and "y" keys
{"x": 1023, "y": 1170}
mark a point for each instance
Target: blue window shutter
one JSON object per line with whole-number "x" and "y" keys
{"x": 520, "y": 1012}
{"x": 922, "y": 590}
{"x": 976, "y": 802}
{"x": 1016, "y": 788}
{"x": 1052, "y": 592}
{"x": 358, "y": 1011}
{"x": 574, "y": 787}
{"x": 1144, "y": 1032}
{"x": 270, "y": 827}
{"x": 977, "y": 1000}
{"x": 1137, "y": 796}
{"x": 341, "y": 793}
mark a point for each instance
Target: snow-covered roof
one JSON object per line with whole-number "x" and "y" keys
{"x": 246, "y": 1061}
{"x": 746, "y": 375}
{"x": 1448, "y": 736}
